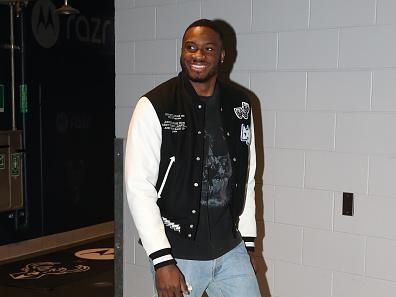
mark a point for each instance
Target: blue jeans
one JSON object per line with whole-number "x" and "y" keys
{"x": 230, "y": 275}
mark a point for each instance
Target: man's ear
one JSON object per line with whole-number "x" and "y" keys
{"x": 222, "y": 56}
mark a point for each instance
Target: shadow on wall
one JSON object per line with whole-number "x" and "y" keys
{"x": 230, "y": 46}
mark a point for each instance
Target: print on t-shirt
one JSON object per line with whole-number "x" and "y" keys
{"x": 217, "y": 171}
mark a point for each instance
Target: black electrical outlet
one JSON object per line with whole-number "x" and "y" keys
{"x": 347, "y": 204}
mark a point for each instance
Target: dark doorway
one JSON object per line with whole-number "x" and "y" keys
{"x": 65, "y": 103}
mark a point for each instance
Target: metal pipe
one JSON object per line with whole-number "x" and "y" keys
{"x": 118, "y": 216}
{"x": 12, "y": 45}
{"x": 24, "y": 129}
{"x": 41, "y": 158}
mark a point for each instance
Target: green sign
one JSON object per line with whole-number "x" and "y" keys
{"x": 1, "y": 98}
{"x": 23, "y": 98}
{"x": 2, "y": 161}
{"x": 15, "y": 164}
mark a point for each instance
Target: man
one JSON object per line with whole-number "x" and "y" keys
{"x": 190, "y": 164}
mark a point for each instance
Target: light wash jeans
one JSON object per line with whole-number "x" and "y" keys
{"x": 230, "y": 275}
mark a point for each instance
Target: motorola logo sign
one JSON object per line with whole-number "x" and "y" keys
{"x": 45, "y": 23}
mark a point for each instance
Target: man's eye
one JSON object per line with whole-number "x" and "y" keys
{"x": 191, "y": 48}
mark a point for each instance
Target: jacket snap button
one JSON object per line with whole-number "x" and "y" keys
{"x": 197, "y": 158}
{"x": 193, "y": 211}
{"x": 234, "y": 159}
{"x": 199, "y": 132}
{"x": 189, "y": 235}
{"x": 195, "y": 184}
{"x": 191, "y": 226}
{"x": 228, "y": 133}
{"x": 199, "y": 106}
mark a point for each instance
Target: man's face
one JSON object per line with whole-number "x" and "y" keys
{"x": 201, "y": 54}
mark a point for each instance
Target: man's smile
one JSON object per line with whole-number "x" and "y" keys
{"x": 198, "y": 66}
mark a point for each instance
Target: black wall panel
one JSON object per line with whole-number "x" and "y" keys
{"x": 67, "y": 63}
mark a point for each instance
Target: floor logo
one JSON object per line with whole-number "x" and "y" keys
{"x": 96, "y": 254}
{"x": 45, "y": 23}
{"x": 40, "y": 269}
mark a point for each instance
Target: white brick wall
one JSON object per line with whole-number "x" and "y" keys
{"x": 283, "y": 242}
{"x": 339, "y": 91}
{"x": 270, "y": 88}
{"x": 269, "y": 193}
{"x": 280, "y": 15}
{"x": 336, "y": 171}
{"x": 284, "y": 167}
{"x": 130, "y": 87}
{"x": 359, "y": 132}
{"x": 364, "y": 222}
{"x": 297, "y": 280}
{"x": 347, "y": 285}
{"x": 382, "y": 173}
{"x": 314, "y": 49}
{"x": 173, "y": 19}
{"x": 149, "y": 56}
{"x": 334, "y": 250}
{"x": 384, "y": 90}
{"x": 342, "y": 13}
{"x": 124, "y": 57}
{"x": 302, "y": 207}
{"x": 261, "y": 46}
{"x": 386, "y": 12}
{"x": 381, "y": 258}
{"x": 324, "y": 72}
{"x": 368, "y": 47}
{"x": 135, "y": 24}
{"x": 236, "y": 12}
{"x": 305, "y": 130}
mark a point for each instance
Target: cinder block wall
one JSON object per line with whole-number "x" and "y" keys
{"x": 325, "y": 74}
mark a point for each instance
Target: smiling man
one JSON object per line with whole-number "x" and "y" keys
{"x": 189, "y": 171}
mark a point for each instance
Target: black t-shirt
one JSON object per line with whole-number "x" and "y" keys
{"x": 214, "y": 235}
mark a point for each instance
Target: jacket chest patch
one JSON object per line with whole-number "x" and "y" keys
{"x": 243, "y": 111}
{"x": 245, "y": 133}
{"x": 174, "y": 122}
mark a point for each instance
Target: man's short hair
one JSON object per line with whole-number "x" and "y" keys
{"x": 206, "y": 23}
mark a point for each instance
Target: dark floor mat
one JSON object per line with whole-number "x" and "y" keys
{"x": 69, "y": 270}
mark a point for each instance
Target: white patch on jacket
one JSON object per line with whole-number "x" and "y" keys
{"x": 171, "y": 225}
{"x": 243, "y": 111}
{"x": 245, "y": 134}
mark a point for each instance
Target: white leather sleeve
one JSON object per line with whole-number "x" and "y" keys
{"x": 142, "y": 157}
{"x": 247, "y": 220}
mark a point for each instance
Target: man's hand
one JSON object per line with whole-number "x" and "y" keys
{"x": 170, "y": 282}
{"x": 253, "y": 261}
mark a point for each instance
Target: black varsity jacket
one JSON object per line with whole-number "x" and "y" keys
{"x": 163, "y": 164}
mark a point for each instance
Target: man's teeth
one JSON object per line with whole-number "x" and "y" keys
{"x": 198, "y": 67}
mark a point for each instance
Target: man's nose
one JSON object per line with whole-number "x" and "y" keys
{"x": 199, "y": 54}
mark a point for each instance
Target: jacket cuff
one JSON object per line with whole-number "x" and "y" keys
{"x": 249, "y": 243}
{"x": 162, "y": 258}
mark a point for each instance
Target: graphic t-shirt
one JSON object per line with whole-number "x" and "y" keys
{"x": 214, "y": 235}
